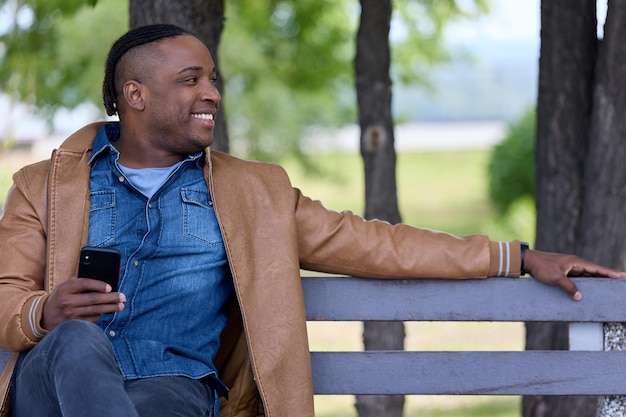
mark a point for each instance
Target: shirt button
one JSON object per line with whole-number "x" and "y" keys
{"x": 149, "y": 205}
{"x": 121, "y": 178}
{"x": 135, "y": 262}
{"x": 112, "y": 333}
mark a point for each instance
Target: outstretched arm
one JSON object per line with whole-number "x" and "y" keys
{"x": 555, "y": 268}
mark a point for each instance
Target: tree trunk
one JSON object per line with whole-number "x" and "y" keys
{"x": 204, "y": 18}
{"x": 579, "y": 159}
{"x": 566, "y": 70}
{"x": 373, "y": 86}
{"x": 602, "y": 226}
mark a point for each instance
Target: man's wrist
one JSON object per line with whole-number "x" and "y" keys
{"x": 523, "y": 248}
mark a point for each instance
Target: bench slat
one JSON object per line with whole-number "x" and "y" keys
{"x": 494, "y": 299}
{"x": 469, "y": 373}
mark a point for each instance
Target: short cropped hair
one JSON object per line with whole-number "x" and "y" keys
{"x": 132, "y": 39}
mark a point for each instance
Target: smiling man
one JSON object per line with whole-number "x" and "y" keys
{"x": 211, "y": 247}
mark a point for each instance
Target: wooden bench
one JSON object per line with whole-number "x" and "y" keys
{"x": 585, "y": 369}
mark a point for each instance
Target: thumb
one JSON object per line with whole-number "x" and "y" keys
{"x": 570, "y": 288}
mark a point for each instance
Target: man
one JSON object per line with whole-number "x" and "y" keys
{"x": 212, "y": 246}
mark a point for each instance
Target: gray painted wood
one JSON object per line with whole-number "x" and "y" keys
{"x": 475, "y": 373}
{"x": 581, "y": 372}
{"x": 470, "y": 373}
{"x": 499, "y": 299}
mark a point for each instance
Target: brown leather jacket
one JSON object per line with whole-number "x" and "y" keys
{"x": 270, "y": 231}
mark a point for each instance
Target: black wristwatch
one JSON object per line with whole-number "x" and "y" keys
{"x": 523, "y": 247}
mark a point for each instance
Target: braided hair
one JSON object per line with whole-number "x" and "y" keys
{"x": 133, "y": 38}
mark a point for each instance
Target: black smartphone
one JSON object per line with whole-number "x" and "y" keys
{"x": 100, "y": 263}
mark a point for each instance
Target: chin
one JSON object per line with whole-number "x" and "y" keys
{"x": 200, "y": 144}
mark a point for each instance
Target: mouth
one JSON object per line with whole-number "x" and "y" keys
{"x": 202, "y": 116}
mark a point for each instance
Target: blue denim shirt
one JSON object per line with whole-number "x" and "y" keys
{"x": 174, "y": 271}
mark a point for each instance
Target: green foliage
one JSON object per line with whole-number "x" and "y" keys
{"x": 53, "y": 54}
{"x": 420, "y": 41}
{"x": 512, "y": 166}
{"x": 287, "y": 64}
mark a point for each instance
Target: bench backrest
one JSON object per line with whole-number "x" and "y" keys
{"x": 583, "y": 370}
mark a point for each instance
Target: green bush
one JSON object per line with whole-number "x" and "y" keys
{"x": 512, "y": 165}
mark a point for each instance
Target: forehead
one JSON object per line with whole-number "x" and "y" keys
{"x": 183, "y": 52}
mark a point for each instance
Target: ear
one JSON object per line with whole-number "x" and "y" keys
{"x": 134, "y": 93}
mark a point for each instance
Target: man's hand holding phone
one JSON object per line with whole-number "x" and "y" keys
{"x": 94, "y": 292}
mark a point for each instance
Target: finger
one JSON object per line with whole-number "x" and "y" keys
{"x": 570, "y": 288}
{"x": 98, "y": 298}
{"x": 92, "y": 285}
{"x": 88, "y": 303}
{"x": 81, "y": 285}
{"x": 600, "y": 271}
{"x": 91, "y": 312}
{"x": 582, "y": 268}
{"x": 97, "y": 310}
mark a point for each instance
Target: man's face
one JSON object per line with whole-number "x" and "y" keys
{"x": 181, "y": 97}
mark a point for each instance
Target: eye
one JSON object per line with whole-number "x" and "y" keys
{"x": 213, "y": 80}
{"x": 191, "y": 80}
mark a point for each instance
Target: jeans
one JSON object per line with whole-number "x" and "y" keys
{"x": 72, "y": 371}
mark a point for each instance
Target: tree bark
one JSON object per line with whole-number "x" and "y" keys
{"x": 373, "y": 85}
{"x": 602, "y": 223}
{"x": 204, "y": 18}
{"x": 579, "y": 157}
{"x": 566, "y": 71}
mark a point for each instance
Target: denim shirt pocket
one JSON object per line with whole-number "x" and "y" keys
{"x": 199, "y": 219}
{"x": 102, "y": 217}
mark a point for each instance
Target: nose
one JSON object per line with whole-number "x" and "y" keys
{"x": 211, "y": 93}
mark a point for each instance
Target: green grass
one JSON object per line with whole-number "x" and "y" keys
{"x": 438, "y": 190}
{"x": 444, "y": 406}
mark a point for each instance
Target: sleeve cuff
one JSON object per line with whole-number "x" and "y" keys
{"x": 505, "y": 259}
{"x": 32, "y": 313}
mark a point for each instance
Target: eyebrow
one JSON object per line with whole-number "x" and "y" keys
{"x": 194, "y": 68}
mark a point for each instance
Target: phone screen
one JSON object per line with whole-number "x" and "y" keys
{"x": 100, "y": 263}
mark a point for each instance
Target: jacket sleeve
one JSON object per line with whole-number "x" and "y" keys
{"x": 22, "y": 263}
{"x": 344, "y": 243}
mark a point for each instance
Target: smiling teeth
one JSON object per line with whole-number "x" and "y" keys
{"x": 204, "y": 116}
